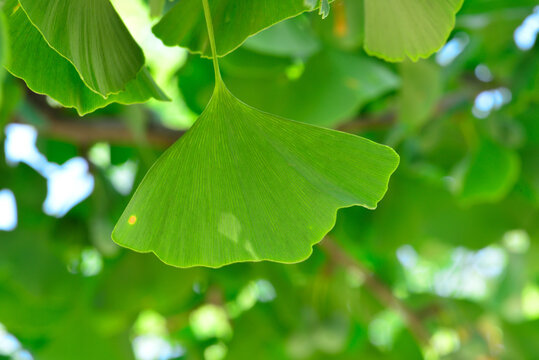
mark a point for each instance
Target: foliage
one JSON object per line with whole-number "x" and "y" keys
{"x": 443, "y": 268}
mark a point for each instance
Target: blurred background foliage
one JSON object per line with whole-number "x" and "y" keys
{"x": 445, "y": 268}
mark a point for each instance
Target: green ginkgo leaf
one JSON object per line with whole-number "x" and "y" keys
{"x": 396, "y": 29}
{"x": 489, "y": 173}
{"x": 47, "y": 72}
{"x": 234, "y": 22}
{"x": 245, "y": 185}
{"x": 91, "y": 35}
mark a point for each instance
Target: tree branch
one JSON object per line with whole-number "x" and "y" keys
{"x": 379, "y": 289}
{"x": 85, "y": 132}
{"x": 111, "y": 130}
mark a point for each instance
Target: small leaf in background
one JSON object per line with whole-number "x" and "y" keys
{"x": 91, "y": 35}
{"x": 243, "y": 185}
{"x": 311, "y": 4}
{"x": 395, "y": 30}
{"x": 343, "y": 28}
{"x": 46, "y": 72}
{"x": 324, "y": 9}
{"x": 421, "y": 89}
{"x": 293, "y": 37}
{"x": 156, "y": 7}
{"x": 184, "y": 24}
{"x": 489, "y": 173}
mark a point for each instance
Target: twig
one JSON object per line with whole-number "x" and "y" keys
{"x": 111, "y": 130}
{"x": 379, "y": 289}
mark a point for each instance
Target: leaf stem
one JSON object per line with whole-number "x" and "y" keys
{"x": 209, "y": 25}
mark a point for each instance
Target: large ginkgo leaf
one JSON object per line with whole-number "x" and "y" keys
{"x": 396, "y": 29}
{"x": 91, "y": 35}
{"x": 234, "y": 21}
{"x": 47, "y": 72}
{"x": 244, "y": 185}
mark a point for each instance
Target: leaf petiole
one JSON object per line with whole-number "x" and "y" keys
{"x": 211, "y": 36}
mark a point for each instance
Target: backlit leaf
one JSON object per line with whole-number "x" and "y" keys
{"x": 396, "y": 29}
{"x": 234, "y": 22}
{"x": 91, "y": 35}
{"x": 243, "y": 185}
{"x": 46, "y": 72}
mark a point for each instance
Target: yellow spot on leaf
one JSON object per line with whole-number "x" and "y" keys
{"x": 132, "y": 220}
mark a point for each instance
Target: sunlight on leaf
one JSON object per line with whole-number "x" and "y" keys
{"x": 384, "y": 329}
{"x": 530, "y": 301}
{"x": 60, "y": 81}
{"x": 91, "y": 35}
{"x": 210, "y": 321}
{"x": 246, "y": 185}
{"x": 234, "y": 22}
{"x": 415, "y": 29}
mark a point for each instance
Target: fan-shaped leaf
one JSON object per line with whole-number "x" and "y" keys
{"x": 396, "y": 29}
{"x": 46, "y": 72}
{"x": 91, "y": 35}
{"x": 244, "y": 185}
{"x": 489, "y": 174}
{"x": 234, "y": 22}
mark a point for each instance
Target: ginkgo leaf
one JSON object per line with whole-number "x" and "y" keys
{"x": 244, "y": 185}
{"x": 420, "y": 92}
{"x": 396, "y": 29}
{"x": 234, "y": 22}
{"x": 91, "y": 35}
{"x": 488, "y": 174}
{"x": 47, "y": 72}
{"x": 3, "y": 51}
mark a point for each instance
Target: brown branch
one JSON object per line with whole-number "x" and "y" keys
{"x": 91, "y": 129}
{"x": 87, "y": 131}
{"x": 111, "y": 130}
{"x": 389, "y": 118}
{"x": 379, "y": 289}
